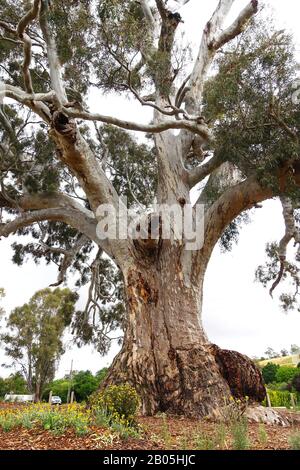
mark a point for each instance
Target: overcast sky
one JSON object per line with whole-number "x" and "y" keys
{"x": 238, "y": 313}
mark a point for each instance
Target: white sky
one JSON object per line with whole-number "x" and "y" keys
{"x": 238, "y": 313}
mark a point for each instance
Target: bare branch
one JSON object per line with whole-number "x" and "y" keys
{"x": 237, "y": 27}
{"x": 201, "y": 172}
{"x": 147, "y": 13}
{"x": 290, "y": 233}
{"x": 69, "y": 256}
{"x": 8, "y": 28}
{"x": 161, "y": 8}
{"x": 27, "y": 43}
{"x": 209, "y": 46}
{"x": 230, "y": 204}
{"x": 54, "y": 64}
{"x": 57, "y": 214}
{"x": 200, "y": 129}
{"x": 28, "y": 17}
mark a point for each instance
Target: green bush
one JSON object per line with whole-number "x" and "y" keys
{"x": 269, "y": 372}
{"x": 296, "y": 383}
{"x": 286, "y": 373}
{"x": 279, "y": 398}
{"x": 59, "y": 388}
{"x": 119, "y": 402}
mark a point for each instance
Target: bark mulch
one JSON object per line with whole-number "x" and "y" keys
{"x": 159, "y": 433}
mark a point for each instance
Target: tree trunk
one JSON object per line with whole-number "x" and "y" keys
{"x": 166, "y": 354}
{"x": 37, "y": 393}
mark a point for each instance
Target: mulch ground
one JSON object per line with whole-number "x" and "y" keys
{"x": 178, "y": 434}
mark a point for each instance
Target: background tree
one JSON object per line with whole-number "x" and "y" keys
{"x": 296, "y": 382}
{"x": 237, "y": 139}
{"x": 269, "y": 372}
{"x": 286, "y": 374}
{"x": 84, "y": 383}
{"x": 284, "y": 352}
{"x": 295, "y": 349}
{"x": 271, "y": 354}
{"x": 15, "y": 384}
{"x": 34, "y": 340}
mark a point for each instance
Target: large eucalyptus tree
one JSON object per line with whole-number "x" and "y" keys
{"x": 227, "y": 123}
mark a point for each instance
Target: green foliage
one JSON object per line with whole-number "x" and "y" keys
{"x": 84, "y": 384}
{"x": 286, "y": 374}
{"x": 55, "y": 420}
{"x": 269, "y": 372}
{"x": 294, "y": 441}
{"x": 59, "y": 388}
{"x": 124, "y": 159}
{"x": 254, "y": 66}
{"x": 34, "y": 337}
{"x": 165, "y": 432}
{"x": 120, "y": 402}
{"x": 203, "y": 442}
{"x": 257, "y": 71}
{"x": 279, "y": 398}
{"x": 122, "y": 29}
{"x": 233, "y": 409}
{"x": 101, "y": 374}
{"x": 220, "y": 436}
{"x": 14, "y": 384}
{"x": 296, "y": 382}
{"x": 239, "y": 433}
{"x": 262, "y": 434}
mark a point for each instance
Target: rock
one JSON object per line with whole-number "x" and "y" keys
{"x": 261, "y": 414}
{"x": 242, "y": 375}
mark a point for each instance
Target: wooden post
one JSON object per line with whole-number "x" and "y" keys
{"x": 50, "y": 397}
{"x": 72, "y": 396}
{"x": 70, "y": 383}
{"x": 293, "y": 401}
{"x": 268, "y": 401}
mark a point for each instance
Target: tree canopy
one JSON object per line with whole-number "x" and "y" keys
{"x": 34, "y": 337}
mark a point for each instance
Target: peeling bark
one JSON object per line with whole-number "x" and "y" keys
{"x": 242, "y": 375}
{"x": 166, "y": 354}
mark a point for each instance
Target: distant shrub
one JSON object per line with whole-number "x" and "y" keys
{"x": 119, "y": 402}
{"x": 279, "y": 398}
{"x": 269, "y": 372}
{"x": 286, "y": 373}
{"x": 296, "y": 383}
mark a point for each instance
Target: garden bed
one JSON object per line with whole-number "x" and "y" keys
{"x": 159, "y": 432}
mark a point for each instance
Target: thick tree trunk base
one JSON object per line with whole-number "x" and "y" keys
{"x": 166, "y": 355}
{"x": 197, "y": 383}
{"x": 189, "y": 383}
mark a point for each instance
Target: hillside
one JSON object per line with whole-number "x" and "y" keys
{"x": 291, "y": 361}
